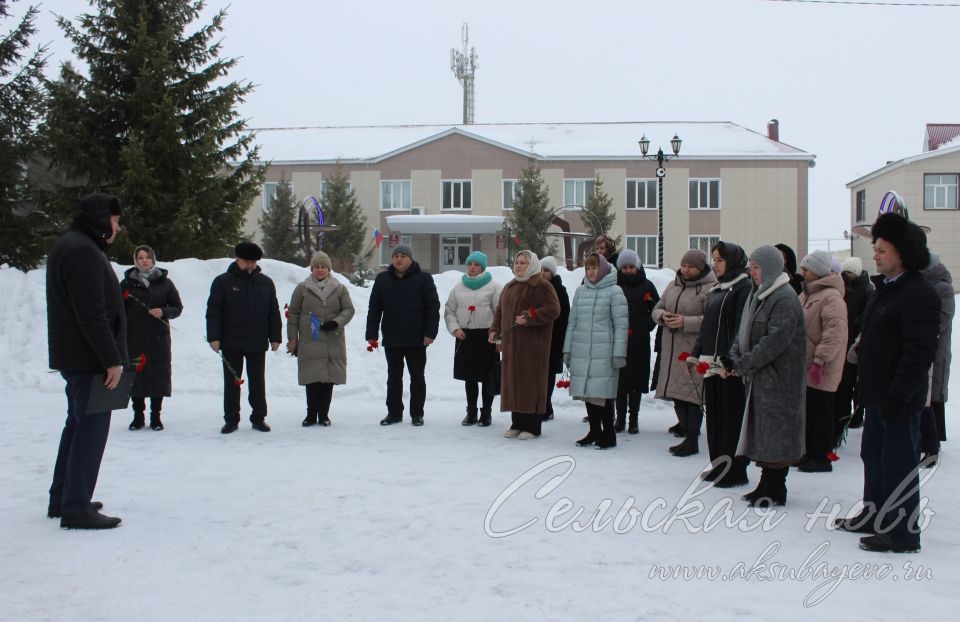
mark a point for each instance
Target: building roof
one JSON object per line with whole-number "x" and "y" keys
{"x": 445, "y": 223}
{"x": 945, "y": 149}
{"x": 547, "y": 141}
{"x": 938, "y": 135}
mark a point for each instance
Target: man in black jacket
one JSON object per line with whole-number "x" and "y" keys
{"x": 898, "y": 340}
{"x": 405, "y": 298}
{"x": 86, "y": 334}
{"x": 243, "y": 316}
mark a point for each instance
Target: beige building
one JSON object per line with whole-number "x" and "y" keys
{"x": 447, "y": 190}
{"x": 928, "y": 183}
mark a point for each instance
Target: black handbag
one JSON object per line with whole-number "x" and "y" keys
{"x": 495, "y": 377}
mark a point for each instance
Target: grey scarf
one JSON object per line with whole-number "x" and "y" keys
{"x": 146, "y": 276}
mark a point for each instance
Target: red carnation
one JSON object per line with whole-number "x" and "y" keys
{"x": 683, "y": 356}
{"x": 126, "y": 294}
{"x": 532, "y": 312}
{"x": 140, "y": 362}
{"x": 832, "y": 456}
{"x": 286, "y": 312}
{"x": 238, "y": 381}
{"x": 647, "y": 297}
{"x": 471, "y": 308}
{"x": 703, "y": 367}
{"x": 629, "y": 332}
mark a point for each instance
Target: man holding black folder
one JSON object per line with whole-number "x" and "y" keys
{"x": 86, "y": 329}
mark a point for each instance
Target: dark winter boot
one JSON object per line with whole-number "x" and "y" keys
{"x": 632, "y": 427}
{"x": 484, "y": 420}
{"x": 761, "y": 488}
{"x": 155, "y": 424}
{"x": 311, "y": 419}
{"x": 621, "y": 423}
{"x": 608, "y": 434}
{"x": 137, "y": 422}
{"x": 688, "y": 447}
{"x": 676, "y": 430}
{"x": 775, "y": 493}
{"x": 595, "y": 430}
{"x": 471, "y": 417}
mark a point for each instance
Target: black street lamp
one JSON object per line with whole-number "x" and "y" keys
{"x": 661, "y": 158}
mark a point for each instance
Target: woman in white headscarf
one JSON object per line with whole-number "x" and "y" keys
{"x": 523, "y": 324}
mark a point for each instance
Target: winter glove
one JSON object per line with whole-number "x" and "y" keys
{"x": 329, "y": 325}
{"x": 566, "y": 359}
{"x": 894, "y": 410}
{"x": 727, "y": 362}
{"x": 618, "y": 362}
{"x": 816, "y": 373}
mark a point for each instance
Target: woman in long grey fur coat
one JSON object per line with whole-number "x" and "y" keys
{"x": 769, "y": 355}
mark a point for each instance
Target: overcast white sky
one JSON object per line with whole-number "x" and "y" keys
{"x": 853, "y": 84}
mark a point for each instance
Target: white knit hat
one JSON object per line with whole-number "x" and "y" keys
{"x": 853, "y": 265}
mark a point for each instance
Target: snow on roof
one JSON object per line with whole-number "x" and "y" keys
{"x": 940, "y": 135}
{"x": 548, "y": 141}
{"x": 943, "y": 150}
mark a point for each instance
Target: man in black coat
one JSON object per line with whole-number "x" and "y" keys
{"x": 898, "y": 341}
{"x": 404, "y": 305}
{"x": 86, "y": 334}
{"x": 243, "y": 316}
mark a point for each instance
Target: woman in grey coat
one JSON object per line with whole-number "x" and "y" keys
{"x": 769, "y": 354}
{"x": 319, "y": 309}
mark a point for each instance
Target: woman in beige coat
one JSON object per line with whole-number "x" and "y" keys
{"x": 680, "y": 312}
{"x": 523, "y": 323}
{"x": 825, "y": 324}
{"x": 319, "y": 309}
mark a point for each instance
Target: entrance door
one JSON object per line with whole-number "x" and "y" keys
{"x": 454, "y": 251}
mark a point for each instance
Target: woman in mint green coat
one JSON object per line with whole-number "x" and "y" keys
{"x": 595, "y": 347}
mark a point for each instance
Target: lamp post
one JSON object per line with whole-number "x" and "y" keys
{"x": 661, "y": 159}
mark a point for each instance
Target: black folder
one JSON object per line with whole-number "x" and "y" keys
{"x": 103, "y": 399}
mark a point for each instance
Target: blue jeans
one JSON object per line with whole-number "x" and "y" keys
{"x": 82, "y": 442}
{"x": 891, "y": 484}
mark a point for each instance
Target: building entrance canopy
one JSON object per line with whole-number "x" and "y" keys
{"x": 445, "y": 223}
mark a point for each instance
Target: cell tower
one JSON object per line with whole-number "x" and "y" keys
{"x": 464, "y": 66}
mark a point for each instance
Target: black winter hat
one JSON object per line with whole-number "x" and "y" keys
{"x": 248, "y": 251}
{"x": 908, "y": 238}
{"x": 94, "y": 212}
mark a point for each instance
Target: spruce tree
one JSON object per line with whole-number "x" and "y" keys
{"x": 153, "y": 120}
{"x": 597, "y": 215}
{"x": 340, "y": 208}
{"x": 22, "y": 229}
{"x": 277, "y": 225}
{"x": 531, "y": 215}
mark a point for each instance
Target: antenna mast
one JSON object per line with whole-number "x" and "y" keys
{"x": 464, "y": 66}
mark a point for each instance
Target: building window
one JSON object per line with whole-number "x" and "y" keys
{"x": 456, "y": 195}
{"x": 641, "y": 194}
{"x": 704, "y": 194}
{"x": 454, "y": 250}
{"x": 704, "y": 243}
{"x": 511, "y": 192}
{"x": 386, "y": 251}
{"x": 861, "y": 206}
{"x": 395, "y": 195}
{"x": 269, "y": 194}
{"x": 940, "y": 191}
{"x": 645, "y": 246}
{"x": 576, "y": 191}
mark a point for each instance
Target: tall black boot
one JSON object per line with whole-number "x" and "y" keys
{"x": 688, "y": 447}
{"x": 139, "y": 406}
{"x": 632, "y": 426}
{"x": 484, "y": 420}
{"x": 761, "y": 488}
{"x": 313, "y": 404}
{"x": 156, "y": 403}
{"x": 471, "y": 417}
{"x": 608, "y": 434}
{"x": 621, "y": 423}
{"x": 595, "y": 428}
{"x": 682, "y": 417}
{"x": 776, "y": 491}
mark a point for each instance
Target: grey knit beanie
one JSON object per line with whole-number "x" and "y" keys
{"x": 403, "y": 249}
{"x": 818, "y": 262}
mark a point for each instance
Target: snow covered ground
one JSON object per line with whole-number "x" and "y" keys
{"x": 357, "y": 521}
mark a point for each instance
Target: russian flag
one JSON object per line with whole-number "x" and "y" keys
{"x": 377, "y": 237}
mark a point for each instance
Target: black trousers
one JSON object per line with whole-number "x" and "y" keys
{"x": 628, "y": 400}
{"x": 476, "y": 389}
{"x": 416, "y": 361}
{"x": 254, "y": 381}
{"x": 140, "y": 405}
{"x": 551, "y": 383}
{"x": 820, "y": 423}
{"x": 725, "y": 400}
{"x": 82, "y": 442}
{"x": 932, "y": 430}
{"x": 891, "y": 452}
{"x": 319, "y": 395}
{"x": 526, "y": 422}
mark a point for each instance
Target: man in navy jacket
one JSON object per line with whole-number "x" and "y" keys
{"x": 243, "y": 316}
{"x": 404, "y": 304}
{"x": 898, "y": 340}
{"x": 86, "y": 336}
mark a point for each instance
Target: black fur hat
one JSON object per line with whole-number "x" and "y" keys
{"x": 248, "y": 251}
{"x": 909, "y": 239}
